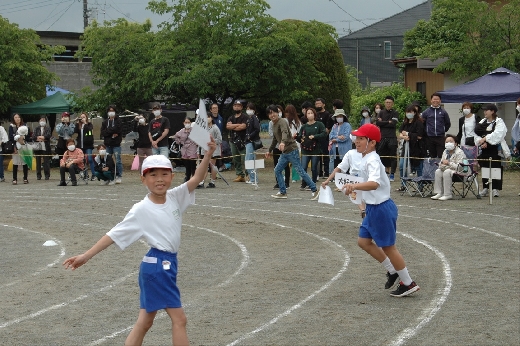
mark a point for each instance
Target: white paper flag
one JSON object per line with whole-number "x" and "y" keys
{"x": 341, "y": 179}
{"x": 199, "y": 129}
{"x": 326, "y": 196}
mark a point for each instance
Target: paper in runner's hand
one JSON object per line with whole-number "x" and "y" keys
{"x": 199, "y": 129}
{"x": 326, "y": 196}
{"x": 341, "y": 179}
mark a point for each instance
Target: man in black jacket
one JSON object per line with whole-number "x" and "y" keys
{"x": 387, "y": 148}
{"x": 112, "y": 131}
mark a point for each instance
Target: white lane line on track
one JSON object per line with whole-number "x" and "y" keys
{"x": 435, "y": 305}
{"x": 243, "y": 265}
{"x": 458, "y": 212}
{"x": 426, "y": 316}
{"x": 39, "y": 271}
{"x": 61, "y": 305}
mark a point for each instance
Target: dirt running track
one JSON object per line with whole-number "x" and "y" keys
{"x": 259, "y": 271}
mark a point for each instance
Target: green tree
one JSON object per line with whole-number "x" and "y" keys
{"x": 402, "y": 96}
{"x": 475, "y": 36}
{"x": 122, "y": 65}
{"x": 233, "y": 49}
{"x": 23, "y": 77}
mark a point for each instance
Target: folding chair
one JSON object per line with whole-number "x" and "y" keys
{"x": 468, "y": 178}
{"x": 423, "y": 185}
{"x": 84, "y": 174}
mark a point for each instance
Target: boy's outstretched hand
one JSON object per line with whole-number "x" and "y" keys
{"x": 75, "y": 262}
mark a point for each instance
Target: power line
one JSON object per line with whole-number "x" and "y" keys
{"x": 49, "y": 15}
{"x": 31, "y": 6}
{"x": 72, "y": 3}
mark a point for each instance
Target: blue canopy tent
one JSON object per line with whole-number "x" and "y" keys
{"x": 500, "y": 85}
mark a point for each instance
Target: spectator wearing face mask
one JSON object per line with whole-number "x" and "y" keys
{"x": 467, "y": 123}
{"x": 144, "y": 145}
{"x": 452, "y": 156}
{"x": 339, "y": 138}
{"x": 189, "y": 149}
{"x": 377, "y": 109}
{"x": 85, "y": 139}
{"x": 413, "y": 149}
{"x": 43, "y": 134}
{"x": 112, "y": 131}
{"x": 158, "y": 131}
{"x": 365, "y": 116}
{"x": 65, "y": 130}
{"x": 105, "y": 166}
{"x": 252, "y": 134}
{"x": 71, "y": 162}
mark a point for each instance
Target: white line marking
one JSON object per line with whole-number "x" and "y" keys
{"x": 58, "y": 306}
{"x": 46, "y": 236}
{"x": 435, "y": 305}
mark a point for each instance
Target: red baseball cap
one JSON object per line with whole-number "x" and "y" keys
{"x": 370, "y": 131}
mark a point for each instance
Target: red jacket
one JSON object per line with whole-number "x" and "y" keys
{"x": 76, "y": 156}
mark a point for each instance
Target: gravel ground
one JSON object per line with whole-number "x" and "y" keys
{"x": 259, "y": 271}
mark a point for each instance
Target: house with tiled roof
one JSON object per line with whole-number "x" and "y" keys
{"x": 372, "y": 49}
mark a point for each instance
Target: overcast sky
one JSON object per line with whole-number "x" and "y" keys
{"x": 67, "y": 15}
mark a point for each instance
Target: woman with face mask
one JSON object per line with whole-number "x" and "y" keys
{"x": 85, "y": 132}
{"x": 413, "y": 149}
{"x": 365, "y": 116}
{"x": 452, "y": 156}
{"x": 65, "y": 130}
{"x": 71, "y": 162}
{"x": 112, "y": 133}
{"x": 189, "y": 149}
{"x": 15, "y": 136}
{"x": 43, "y": 133}
{"x": 467, "y": 123}
{"x": 339, "y": 138}
{"x": 489, "y": 135}
{"x": 143, "y": 145}
{"x": 105, "y": 166}
{"x": 252, "y": 134}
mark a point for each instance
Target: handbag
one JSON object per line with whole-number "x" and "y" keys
{"x": 257, "y": 144}
{"x": 8, "y": 147}
{"x": 307, "y": 143}
{"x": 175, "y": 150}
{"x": 469, "y": 141}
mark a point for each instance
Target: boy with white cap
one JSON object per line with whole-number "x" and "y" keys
{"x": 377, "y": 233}
{"x": 157, "y": 219}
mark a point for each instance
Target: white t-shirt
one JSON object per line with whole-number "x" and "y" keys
{"x": 468, "y": 129}
{"x": 351, "y": 160}
{"x": 373, "y": 170}
{"x": 158, "y": 224}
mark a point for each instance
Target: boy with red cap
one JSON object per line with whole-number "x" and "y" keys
{"x": 157, "y": 219}
{"x": 377, "y": 233}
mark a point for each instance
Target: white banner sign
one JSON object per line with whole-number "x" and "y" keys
{"x": 199, "y": 129}
{"x": 341, "y": 179}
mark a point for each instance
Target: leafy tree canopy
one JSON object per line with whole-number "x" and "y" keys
{"x": 475, "y": 36}
{"x": 402, "y": 96}
{"x": 23, "y": 77}
{"x": 214, "y": 49}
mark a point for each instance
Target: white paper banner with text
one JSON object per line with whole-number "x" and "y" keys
{"x": 341, "y": 179}
{"x": 199, "y": 129}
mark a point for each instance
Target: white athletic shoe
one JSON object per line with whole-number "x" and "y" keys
{"x": 495, "y": 193}
{"x": 315, "y": 195}
{"x": 111, "y": 182}
{"x": 437, "y": 196}
{"x": 118, "y": 180}
{"x": 484, "y": 192}
{"x": 445, "y": 198}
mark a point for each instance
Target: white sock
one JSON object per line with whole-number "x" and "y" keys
{"x": 389, "y": 266}
{"x": 404, "y": 276}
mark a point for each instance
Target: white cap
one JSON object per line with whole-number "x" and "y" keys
{"x": 156, "y": 161}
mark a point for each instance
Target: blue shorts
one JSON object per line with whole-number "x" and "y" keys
{"x": 380, "y": 223}
{"x": 159, "y": 285}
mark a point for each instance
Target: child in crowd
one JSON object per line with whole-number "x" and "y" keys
{"x": 104, "y": 166}
{"x": 377, "y": 233}
{"x": 158, "y": 220}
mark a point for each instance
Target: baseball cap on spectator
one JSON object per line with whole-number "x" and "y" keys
{"x": 237, "y": 102}
{"x": 65, "y": 115}
{"x": 370, "y": 131}
{"x": 155, "y": 161}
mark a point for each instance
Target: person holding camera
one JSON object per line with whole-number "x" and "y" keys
{"x": 158, "y": 132}
{"x": 236, "y": 125}
{"x": 85, "y": 133}
{"x": 65, "y": 130}
{"x": 143, "y": 145}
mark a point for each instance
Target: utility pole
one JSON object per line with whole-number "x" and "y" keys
{"x": 85, "y": 14}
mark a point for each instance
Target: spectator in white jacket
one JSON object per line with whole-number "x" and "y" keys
{"x": 452, "y": 156}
